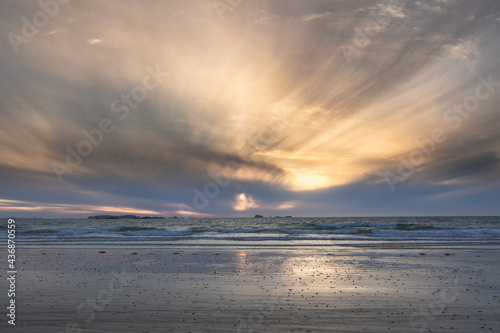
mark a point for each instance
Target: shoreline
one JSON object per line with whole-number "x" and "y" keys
{"x": 320, "y": 247}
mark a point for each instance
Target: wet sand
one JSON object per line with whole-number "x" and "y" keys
{"x": 258, "y": 290}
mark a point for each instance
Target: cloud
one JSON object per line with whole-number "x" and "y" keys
{"x": 314, "y": 17}
{"x": 466, "y": 51}
{"x": 244, "y": 202}
{"x": 192, "y": 214}
{"x": 53, "y": 32}
{"x": 291, "y": 113}
{"x": 283, "y": 206}
{"x": 394, "y": 11}
{"x": 19, "y": 206}
{"x": 94, "y": 41}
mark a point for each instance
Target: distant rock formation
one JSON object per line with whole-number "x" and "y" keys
{"x": 258, "y": 216}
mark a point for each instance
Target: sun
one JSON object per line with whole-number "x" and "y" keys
{"x": 308, "y": 180}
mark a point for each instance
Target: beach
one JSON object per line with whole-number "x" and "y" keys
{"x": 285, "y": 289}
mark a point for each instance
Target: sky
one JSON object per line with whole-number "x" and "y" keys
{"x": 233, "y": 108}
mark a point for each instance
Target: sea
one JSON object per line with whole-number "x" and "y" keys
{"x": 259, "y": 232}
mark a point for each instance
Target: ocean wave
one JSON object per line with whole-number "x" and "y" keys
{"x": 37, "y": 231}
{"x": 346, "y": 225}
{"x": 277, "y": 238}
{"x": 318, "y": 232}
{"x": 277, "y": 231}
{"x": 239, "y": 231}
{"x": 432, "y": 233}
{"x": 103, "y": 232}
{"x": 160, "y": 232}
{"x": 131, "y": 229}
{"x": 409, "y": 227}
{"x": 64, "y": 231}
{"x": 199, "y": 230}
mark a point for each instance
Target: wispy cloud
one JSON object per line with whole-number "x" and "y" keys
{"x": 94, "y": 41}
{"x": 317, "y": 16}
{"x": 53, "y": 32}
{"x": 19, "y": 206}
